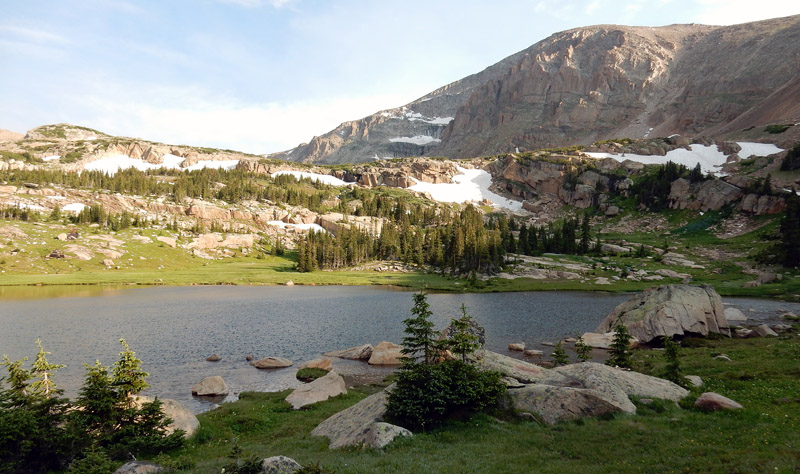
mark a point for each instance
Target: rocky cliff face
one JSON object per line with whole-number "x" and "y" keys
{"x": 591, "y": 84}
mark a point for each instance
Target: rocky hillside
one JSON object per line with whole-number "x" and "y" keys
{"x": 594, "y": 83}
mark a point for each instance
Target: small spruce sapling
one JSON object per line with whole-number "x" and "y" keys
{"x": 560, "y": 355}
{"x": 43, "y": 371}
{"x": 672, "y": 371}
{"x": 584, "y": 352}
{"x": 462, "y": 342}
{"x": 421, "y": 343}
{"x": 620, "y": 348}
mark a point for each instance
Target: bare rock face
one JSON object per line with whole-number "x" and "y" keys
{"x": 271, "y": 363}
{"x": 386, "y": 353}
{"x": 362, "y": 352}
{"x": 170, "y": 241}
{"x": 710, "y": 195}
{"x": 350, "y": 426}
{"x": 319, "y": 390}
{"x": 210, "y": 386}
{"x": 670, "y": 310}
{"x": 554, "y": 404}
{"x": 710, "y": 401}
{"x": 762, "y": 204}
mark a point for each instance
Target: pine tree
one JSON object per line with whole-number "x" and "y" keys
{"x": 620, "y": 348}
{"x": 420, "y": 345}
{"x": 43, "y": 371}
{"x": 672, "y": 371}
{"x": 560, "y": 356}
{"x": 584, "y": 352}
{"x": 462, "y": 342}
{"x": 586, "y": 237}
{"x": 127, "y": 376}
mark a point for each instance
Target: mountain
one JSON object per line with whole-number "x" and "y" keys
{"x": 588, "y": 84}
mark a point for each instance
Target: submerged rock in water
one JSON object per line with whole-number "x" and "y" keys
{"x": 271, "y": 363}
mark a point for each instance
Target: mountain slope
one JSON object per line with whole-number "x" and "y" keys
{"x": 590, "y": 84}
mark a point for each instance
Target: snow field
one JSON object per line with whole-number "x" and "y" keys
{"x": 470, "y": 185}
{"x": 321, "y": 178}
{"x": 113, "y": 163}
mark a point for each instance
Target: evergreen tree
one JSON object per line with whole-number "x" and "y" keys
{"x": 461, "y": 341}
{"x": 672, "y": 371}
{"x": 620, "y": 347}
{"x": 789, "y": 245}
{"x": 584, "y": 352}
{"x": 560, "y": 355}
{"x": 420, "y": 345}
{"x": 43, "y": 371}
{"x": 586, "y": 237}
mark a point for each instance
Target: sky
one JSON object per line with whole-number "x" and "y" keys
{"x": 265, "y": 75}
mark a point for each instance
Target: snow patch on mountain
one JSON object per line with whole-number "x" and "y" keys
{"x": 113, "y": 163}
{"x": 416, "y": 140}
{"x": 321, "y": 178}
{"x": 470, "y": 185}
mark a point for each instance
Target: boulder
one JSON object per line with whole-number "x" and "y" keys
{"x": 289, "y": 283}
{"x": 138, "y": 467}
{"x": 323, "y": 363}
{"x": 386, "y": 353}
{"x": 279, "y": 465}
{"x": 108, "y": 262}
{"x": 734, "y": 315}
{"x": 603, "y": 341}
{"x": 695, "y": 380}
{"x": 271, "y": 363}
{"x": 362, "y": 352}
{"x": 213, "y": 358}
{"x": 554, "y": 404}
{"x": 171, "y": 242}
{"x": 516, "y": 346}
{"x": 323, "y": 388}
{"x": 381, "y": 434}
{"x": 670, "y": 310}
{"x": 210, "y": 386}
{"x": 763, "y": 331}
{"x": 182, "y": 418}
{"x": 742, "y": 332}
{"x": 533, "y": 353}
{"x": 517, "y": 369}
{"x": 606, "y": 379}
{"x": 349, "y": 427}
{"x": 710, "y": 401}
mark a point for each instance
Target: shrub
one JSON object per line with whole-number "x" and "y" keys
{"x": 560, "y": 355}
{"x": 309, "y": 374}
{"x": 427, "y": 395}
{"x": 777, "y": 128}
{"x": 584, "y": 352}
{"x": 672, "y": 371}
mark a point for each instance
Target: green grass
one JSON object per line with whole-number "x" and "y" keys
{"x": 763, "y": 375}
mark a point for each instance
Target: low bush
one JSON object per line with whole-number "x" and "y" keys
{"x": 309, "y": 374}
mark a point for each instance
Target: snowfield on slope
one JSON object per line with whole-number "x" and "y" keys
{"x": 470, "y": 185}
{"x": 710, "y": 158}
{"x": 416, "y": 140}
{"x": 113, "y": 163}
{"x": 283, "y": 225}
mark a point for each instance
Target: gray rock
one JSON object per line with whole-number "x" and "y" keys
{"x": 763, "y": 331}
{"x": 349, "y": 427}
{"x": 213, "y": 358}
{"x": 604, "y": 341}
{"x": 517, "y": 369}
{"x": 386, "y": 353}
{"x": 710, "y": 401}
{"x": 554, "y": 404}
{"x": 780, "y": 327}
{"x": 533, "y": 352}
{"x": 381, "y": 434}
{"x": 614, "y": 381}
{"x": 668, "y": 311}
{"x": 516, "y": 346}
{"x": 182, "y": 418}
{"x": 210, "y": 386}
{"x": 695, "y": 380}
{"x": 138, "y": 467}
{"x": 734, "y": 315}
{"x": 742, "y": 332}
{"x": 279, "y": 465}
{"x": 362, "y": 352}
{"x": 271, "y": 363}
{"x": 323, "y": 388}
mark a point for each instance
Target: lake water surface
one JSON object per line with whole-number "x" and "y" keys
{"x": 173, "y": 329}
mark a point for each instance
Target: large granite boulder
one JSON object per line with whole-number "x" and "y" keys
{"x": 139, "y": 467}
{"x": 381, "y": 434}
{"x": 734, "y": 315}
{"x": 324, "y": 363}
{"x": 211, "y": 387}
{"x": 351, "y": 426}
{"x": 710, "y": 401}
{"x": 331, "y": 385}
{"x": 182, "y": 418}
{"x": 386, "y": 353}
{"x": 762, "y": 331}
{"x": 519, "y": 370}
{"x": 604, "y": 341}
{"x": 670, "y": 310}
{"x": 362, "y": 352}
{"x": 613, "y": 380}
{"x": 271, "y": 363}
{"x": 553, "y": 404}
{"x": 279, "y": 465}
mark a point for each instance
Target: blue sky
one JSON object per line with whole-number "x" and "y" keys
{"x": 264, "y": 75}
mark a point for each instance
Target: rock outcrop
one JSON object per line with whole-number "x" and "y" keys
{"x": 319, "y": 390}
{"x": 182, "y": 417}
{"x": 139, "y": 467}
{"x": 386, "y": 353}
{"x": 279, "y": 465}
{"x": 351, "y": 426}
{"x": 271, "y": 363}
{"x": 362, "y": 352}
{"x": 669, "y": 311}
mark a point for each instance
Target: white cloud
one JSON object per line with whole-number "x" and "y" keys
{"x": 592, "y": 7}
{"x": 31, "y": 34}
{"x": 259, "y": 3}
{"x": 730, "y": 12}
